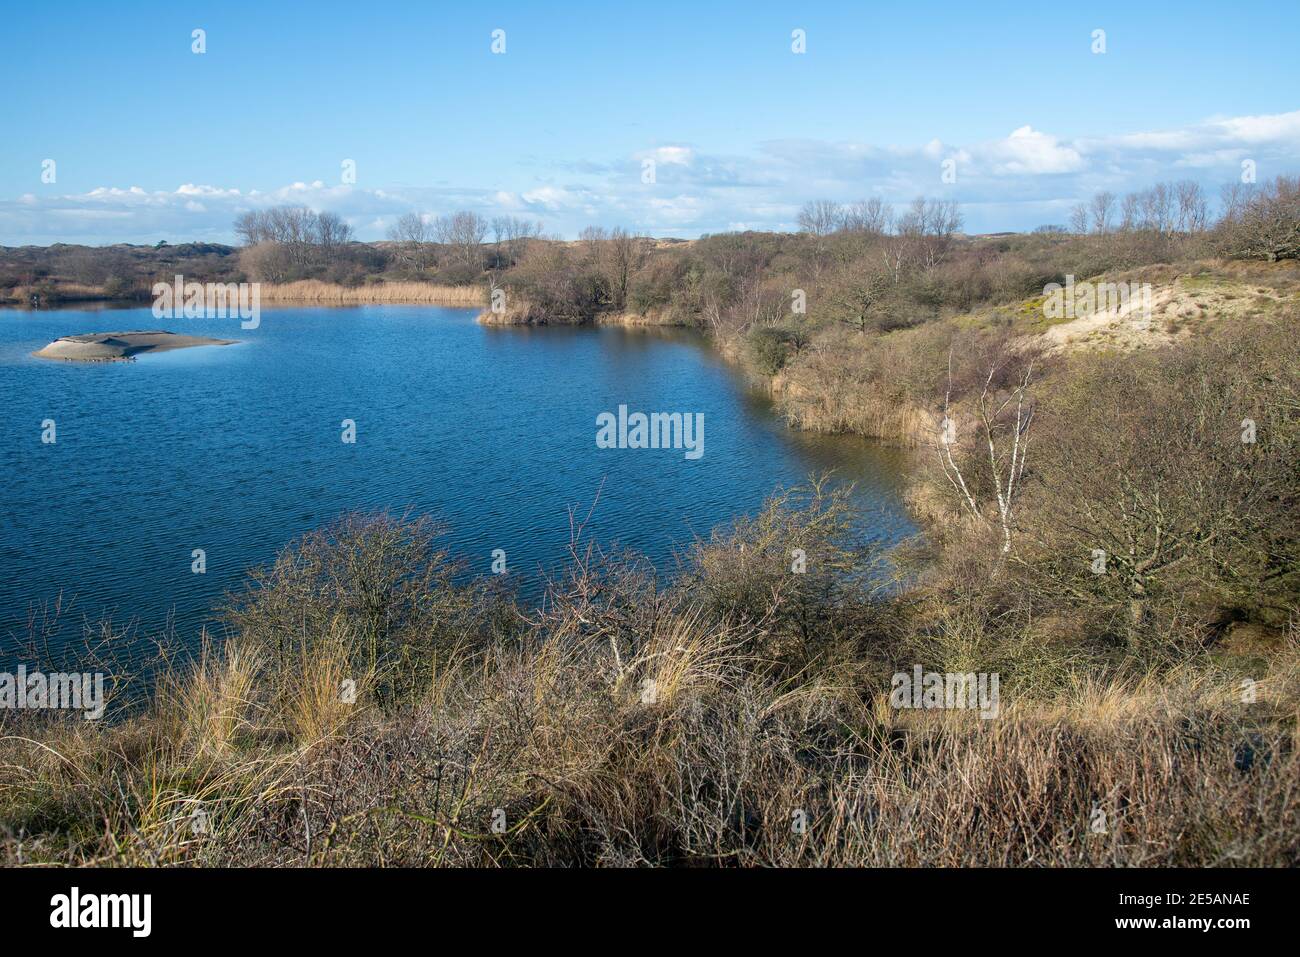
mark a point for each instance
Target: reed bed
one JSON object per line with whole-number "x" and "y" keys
{"x": 315, "y": 291}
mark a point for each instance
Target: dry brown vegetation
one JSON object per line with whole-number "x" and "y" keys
{"x": 317, "y": 292}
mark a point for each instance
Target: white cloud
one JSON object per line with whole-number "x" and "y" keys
{"x": 1028, "y": 150}
{"x": 1262, "y": 129}
{"x": 1017, "y": 181}
{"x": 550, "y": 197}
{"x": 673, "y": 155}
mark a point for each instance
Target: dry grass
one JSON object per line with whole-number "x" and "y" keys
{"x": 64, "y": 291}
{"x": 315, "y": 291}
{"x": 559, "y": 747}
{"x": 211, "y": 705}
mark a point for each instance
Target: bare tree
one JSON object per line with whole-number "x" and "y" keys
{"x": 821, "y": 217}
{"x": 464, "y": 231}
{"x": 898, "y": 253}
{"x": 928, "y": 227}
{"x": 1233, "y": 198}
{"x": 873, "y": 216}
{"x": 1129, "y": 212}
{"x": 511, "y": 233}
{"x": 332, "y": 230}
{"x": 858, "y": 291}
{"x": 1267, "y": 224}
{"x": 304, "y": 235}
{"x": 1103, "y": 207}
{"x": 1079, "y": 219}
{"x": 1157, "y": 209}
{"x": 414, "y": 232}
{"x": 1141, "y": 473}
{"x": 410, "y": 228}
{"x": 1193, "y": 209}
{"x": 591, "y": 237}
{"x": 623, "y": 256}
{"x": 519, "y": 232}
{"x": 1005, "y": 416}
{"x": 251, "y": 227}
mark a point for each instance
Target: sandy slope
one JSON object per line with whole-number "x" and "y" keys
{"x": 1178, "y": 309}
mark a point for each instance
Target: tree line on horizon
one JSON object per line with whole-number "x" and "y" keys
{"x": 867, "y": 263}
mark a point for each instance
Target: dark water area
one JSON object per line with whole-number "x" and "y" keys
{"x": 236, "y": 450}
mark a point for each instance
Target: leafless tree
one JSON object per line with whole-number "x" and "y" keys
{"x": 511, "y": 233}
{"x": 1079, "y": 219}
{"x": 464, "y": 231}
{"x": 415, "y": 233}
{"x": 623, "y": 254}
{"x": 821, "y": 217}
{"x": 927, "y": 228}
{"x": 1103, "y": 208}
{"x": 591, "y": 237}
{"x": 302, "y": 233}
{"x": 898, "y": 253}
{"x": 1193, "y": 209}
{"x": 873, "y": 216}
{"x": 500, "y": 224}
{"x": 332, "y": 230}
{"x": 1233, "y": 198}
{"x": 857, "y": 292}
{"x": 1267, "y": 224}
{"x": 1005, "y": 416}
{"x": 1129, "y": 212}
{"x": 251, "y": 228}
{"x": 411, "y": 228}
{"x": 1157, "y": 209}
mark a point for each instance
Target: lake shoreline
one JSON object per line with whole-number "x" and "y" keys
{"x": 330, "y": 360}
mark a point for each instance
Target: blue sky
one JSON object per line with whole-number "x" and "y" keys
{"x": 152, "y": 141}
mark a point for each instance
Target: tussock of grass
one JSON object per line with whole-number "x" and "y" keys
{"x": 210, "y": 705}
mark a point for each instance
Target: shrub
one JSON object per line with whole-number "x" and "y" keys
{"x": 769, "y": 347}
{"x": 1267, "y": 225}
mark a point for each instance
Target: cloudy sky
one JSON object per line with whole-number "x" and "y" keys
{"x": 117, "y": 131}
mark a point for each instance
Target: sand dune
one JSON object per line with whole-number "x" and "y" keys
{"x": 118, "y": 346}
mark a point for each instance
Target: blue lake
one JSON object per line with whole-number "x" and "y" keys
{"x": 237, "y": 449}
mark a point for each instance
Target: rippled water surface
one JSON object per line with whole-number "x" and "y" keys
{"x": 237, "y": 449}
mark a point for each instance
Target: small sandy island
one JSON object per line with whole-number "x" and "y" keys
{"x": 121, "y": 346}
